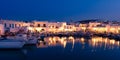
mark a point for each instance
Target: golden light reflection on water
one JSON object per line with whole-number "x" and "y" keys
{"x": 93, "y": 42}
{"x": 56, "y": 41}
{"x": 103, "y": 42}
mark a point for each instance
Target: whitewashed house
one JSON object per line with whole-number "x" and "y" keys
{"x": 56, "y": 26}
{"x": 12, "y": 26}
{"x": 38, "y": 26}
{"x": 44, "y": 26}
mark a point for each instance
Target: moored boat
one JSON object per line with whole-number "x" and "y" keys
{"x": 11, "y": 44}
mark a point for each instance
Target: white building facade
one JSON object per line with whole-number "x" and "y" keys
{"x": 13, "y": 26}
{"x": 44, "y": 26}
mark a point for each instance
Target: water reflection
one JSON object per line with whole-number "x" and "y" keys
{"x": 56, "y": 41}
{"x": 96, "y": 48}
{"x": 104, "y": 42}
{"x": 94, "y": 42}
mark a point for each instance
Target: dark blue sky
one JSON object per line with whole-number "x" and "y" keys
{"x": 60, "y": 10}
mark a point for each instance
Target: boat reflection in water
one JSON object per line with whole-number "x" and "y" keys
{"x": 94, "y": 42}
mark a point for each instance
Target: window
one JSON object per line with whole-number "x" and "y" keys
{"x": 12, "y": 25}
{"x": 52, "y": 26}
{"x": 56, "y": 26}
{"x": 38, "y": 25}
{"x": 15, "y": 25}
{"x": 42, "y": 30}
{"x": 44, "y": 25}
{"x": 5, "y": 25}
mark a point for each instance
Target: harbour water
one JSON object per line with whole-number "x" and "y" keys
{"x": 67, "y": 48}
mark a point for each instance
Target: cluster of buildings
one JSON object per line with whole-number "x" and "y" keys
{"x": 34, "y": 26}
{"x": 101, "y": 27}
{"x": 45, "y": 26}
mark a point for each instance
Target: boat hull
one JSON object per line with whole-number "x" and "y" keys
{"x": 11, "y": 45}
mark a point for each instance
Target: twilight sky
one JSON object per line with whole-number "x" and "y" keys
{"x": 60, "y": 10}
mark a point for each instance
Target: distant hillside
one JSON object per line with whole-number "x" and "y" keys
{"x": 86, "y": 21}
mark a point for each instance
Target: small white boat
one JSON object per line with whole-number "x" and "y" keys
{"x": 11, "y": 44}
{"x": 28, "y": 40}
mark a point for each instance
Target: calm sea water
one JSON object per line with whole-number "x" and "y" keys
{"x": 67, "y": 48}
